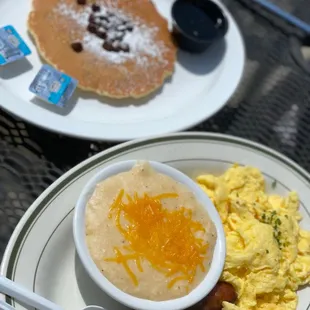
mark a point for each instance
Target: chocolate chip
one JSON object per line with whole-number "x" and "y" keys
{"x": 92, "y": 28}
{"x": 117, "y": 49}
{"x": 91, "y": 19}
{"x": 77, "y": 47}
{"x": 108, "y": 46}
{"x": 105, "y": 18}
{"x": 101, "y": 34}
{"x": 95, "y": 8}
{"x": 81, "y": 2}
{"x": 129, "y": 28}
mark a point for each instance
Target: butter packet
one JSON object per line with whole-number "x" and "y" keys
{"x": 53, "y": 86}
{"x": 12, "y": 46}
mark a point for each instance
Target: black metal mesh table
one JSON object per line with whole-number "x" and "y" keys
{"x": 271, "y": 106}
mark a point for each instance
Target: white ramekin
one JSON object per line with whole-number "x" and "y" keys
{"x": 195, "y": 295}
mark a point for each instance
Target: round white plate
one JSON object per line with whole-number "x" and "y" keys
{"x": 41, "y": 253}
{"x": 200, "y": 86}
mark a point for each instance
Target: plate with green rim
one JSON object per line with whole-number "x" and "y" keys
{"x": 41, "y": 253}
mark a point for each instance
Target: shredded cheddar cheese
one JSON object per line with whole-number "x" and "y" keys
{"x": 167, "y": 239}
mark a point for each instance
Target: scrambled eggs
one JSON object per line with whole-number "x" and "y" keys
{"x": 268, "y": 255}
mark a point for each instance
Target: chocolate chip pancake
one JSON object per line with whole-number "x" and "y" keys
{"x": 116, "y": 48}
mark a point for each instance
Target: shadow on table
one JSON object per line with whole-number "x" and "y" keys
{"x": 90, "y": 292}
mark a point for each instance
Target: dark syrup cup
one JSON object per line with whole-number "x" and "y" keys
{"x": 204, "y": 14}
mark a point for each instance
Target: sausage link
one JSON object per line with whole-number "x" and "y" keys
{"x": 223, "y": 291}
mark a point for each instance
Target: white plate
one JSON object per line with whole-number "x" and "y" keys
{"x": 41, "y": 253}
{"x": 200, "y": 86}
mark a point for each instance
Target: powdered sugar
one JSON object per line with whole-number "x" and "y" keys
{"x": 141, "y": 40}
{"x": 68, "y": 11}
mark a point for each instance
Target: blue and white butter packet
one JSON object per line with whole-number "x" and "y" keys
{"x": 53, "y": 86}
{"x": 12, "y": 46}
